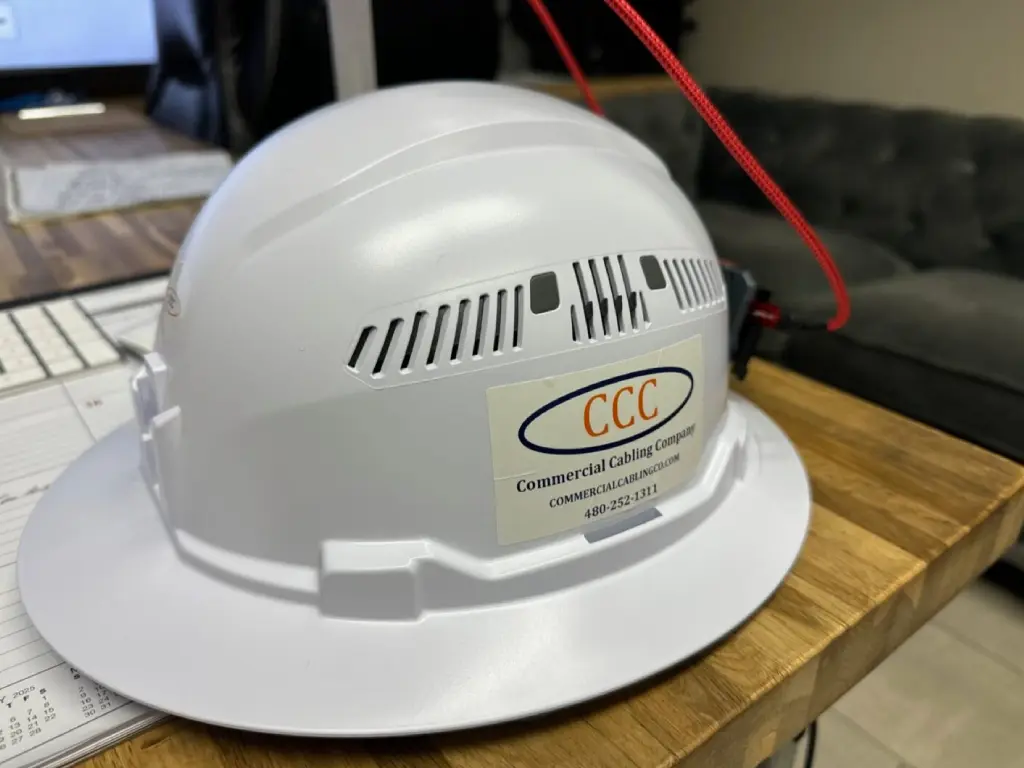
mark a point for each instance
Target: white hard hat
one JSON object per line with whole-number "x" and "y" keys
{"x": 437, "y": 433}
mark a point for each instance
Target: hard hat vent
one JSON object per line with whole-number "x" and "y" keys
{"x": 602, "y": 298}
{"x": 695, "y": 283}
{"x": 488, "y": 325}
{"x": 610, "y": 306}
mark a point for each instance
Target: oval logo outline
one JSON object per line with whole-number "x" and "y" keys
{"x": 548, "y": 407}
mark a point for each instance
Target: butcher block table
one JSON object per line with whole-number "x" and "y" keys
{"x": 904, "y": 517}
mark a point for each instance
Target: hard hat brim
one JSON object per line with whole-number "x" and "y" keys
{"x": 104, "y": 586}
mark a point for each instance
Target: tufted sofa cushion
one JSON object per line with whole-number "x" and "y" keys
{"x": 665, "y": 122}
{"x": 941, "y": 346}
{"x": 765, "y": 244}
{"x": 941, "y": 190}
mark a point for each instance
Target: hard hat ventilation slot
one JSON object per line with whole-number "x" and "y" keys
{"x": 609, "y": 304}
{"x": 481, "y": 324}
{"x": 415, "y": 337}
{"x": 517, "y": 317}
{"x": 500, "y": 320}
{"x": 602, "y": 300}
{"x": 717, "y": 281}
{"x": 440, "y": 329}
{"x": 488, "y": 325}
{"x": 630, "y": 294}
{"x": 388, "y": 346}
{"x": 695, "y": 282}
{"x": 361, "y": 344}
{"x": 694, "y": 299}
{"x": 588, "y": 307}
{"x": 714, "y": 278}
{"x": 675, "y": 286}
{"x": 458, "y": 343}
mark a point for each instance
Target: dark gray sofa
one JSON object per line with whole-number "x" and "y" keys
{"x": 924, "y": 214}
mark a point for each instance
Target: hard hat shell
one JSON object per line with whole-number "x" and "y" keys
{"x": 436, "y": 351}
{"x": 277, "y": 438}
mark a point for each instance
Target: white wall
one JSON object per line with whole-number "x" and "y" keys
{"x": 963, "y": 55}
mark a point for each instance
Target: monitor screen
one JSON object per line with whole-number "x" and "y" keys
{"x": 72, "y": 34}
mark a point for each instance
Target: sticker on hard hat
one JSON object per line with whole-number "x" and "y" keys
{"x": 589, "y": 445}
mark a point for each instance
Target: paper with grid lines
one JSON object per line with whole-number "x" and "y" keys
{"x": 50, "y": 714}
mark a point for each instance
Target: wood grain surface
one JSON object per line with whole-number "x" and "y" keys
{"x": 904, "y": 517}
{"x": 39, "y": 260}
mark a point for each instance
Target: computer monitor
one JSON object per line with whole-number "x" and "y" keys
{"x": 95, "y": 47}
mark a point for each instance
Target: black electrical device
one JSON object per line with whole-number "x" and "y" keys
{"x": 745, "y": 329}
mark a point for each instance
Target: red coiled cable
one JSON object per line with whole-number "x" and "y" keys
{"x": 721, "y": 128}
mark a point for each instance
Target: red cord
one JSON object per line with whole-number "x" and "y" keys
{"x": 721, "y": 129}
{"x": 566, "y": 53}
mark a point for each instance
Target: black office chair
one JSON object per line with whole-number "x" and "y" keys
{"x": 601, "y": 42}
{"x": 231, "y": 72}
{"x": 184, "y": 89}
{"x": 418, "y": 40}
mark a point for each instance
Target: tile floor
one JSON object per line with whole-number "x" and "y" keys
{"x": 951, "y": 697}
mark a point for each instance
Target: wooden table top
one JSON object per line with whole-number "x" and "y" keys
{"x": 904, "y": 517}
{"x": 38, "y": 260}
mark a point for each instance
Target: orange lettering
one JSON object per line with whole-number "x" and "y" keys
{"x": 640, "y": 401}
{"x": 586, "y": 416}
{"x": 615, "y": 409}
